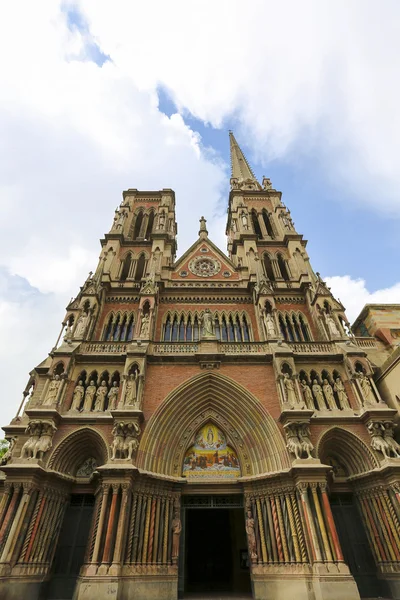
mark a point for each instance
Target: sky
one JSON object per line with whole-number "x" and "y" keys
{"x": 98, "y": 97}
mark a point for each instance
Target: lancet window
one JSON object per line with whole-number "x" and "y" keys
{"x": 267, "y": 223}
{"x": 133, "y": 268}
{"x": 229, "y": 327}
{"x": 119, "y": 327}
{"x": 294, "y": 327}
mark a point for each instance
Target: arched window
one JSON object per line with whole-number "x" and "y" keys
{"x": 217, "y": 328}
{"x": 296, "y": 328}
{"x": 282, "y": 327}
{"x": 182, "y": 329}
{"x": 122, "y": 332}
{"x": 283, "y": 267}
{"x": 108, "y": 329}
{"x": 189, "y": 330}
{"x": 256, "y": 225}
{"x": 246, "y": 334}
{"x": 268, "y": 267}
{"x": 267, "y": 223}
{"x": 231, "y": 330}
{"x": 116, "y": 329}
{"x": 224, "y": 330}
{"x": 138, "y": 225}
{"x": 289, "y": 329}
{"x": 238, "y": 330}
{"x": 167, "y": 329}
{"x": 140, "y": 267}
{"x": 129, "y": 329}
{"x": 126, "y": 267}
{"x": 196, "y": 329}
{"x": 304, "y": 329}
{"x": 175, "y": 328}
{"x": 149, "y": 227}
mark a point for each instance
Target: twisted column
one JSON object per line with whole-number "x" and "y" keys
{"x": 146, "y": 530}
{"x": 9, "y": 514}
{"x": 151, "y": 532}
{"x": 320, "y": 518}
{"x": 391, "y": 516}
{"x": 131, "y": 528}
{"x": 293, "y": 529}
{"x": 121, "y": 524}
{"x": 373, "y": 532}
{"x": 99, "y": 530}
{"x": 276, "y": 528}
{"x": 331, "y": 524}
{"x": 166, "y": 528}
{"x": 282, "y": 529}
{"x": 310, "y": 523}
{"x": 299, "y": 527}
{"x": 110, "y": 525}
{"x": 383, "y": 528}
{"x": 262, "y": 535}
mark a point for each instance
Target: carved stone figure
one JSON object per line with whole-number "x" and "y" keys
{"x": 79, "y": 392}
{"x": 101, "y": 397}
{"x": 251, "y": 536}
{"x": 388, "y": 436}
{"x": 304, "y": 437}
{"x": 207, "y": 324}
{"x": 33, "y": 429}
{"x": 245, "y": 222}
{"x": 131, "y": 390}
{"x": 161, "y": 220}
{"x": 89, "y": 396}
{"x": 267, "y": 185}
{"x": 376, "y": 430}
{"x": 176, "y": 534}
{"x": 332, "y": 327}
{"x": 131, "y": 443}
{"x": 81, "y": 325}
{"x": 119, "y": 219}
{"x": 117, "y": 446}
{"x": 68, "y": 333}
{"x": 366, "y": 388}
{"x": 52, "y": 391}
{"x": 270, "y": 325}
{"x": 113, "y": 396}
{"x": 8, "y": 455}
{"x": 341, "y": 392}
{"x": 318, "y": 395}
{"x": 45, "y": 441}
{"x": 307, "y": 394}
{"x": 293, "y": 442}
{"x": 145, "y": 326}
{"x": 330, "y": 398}
{"x": 290, "y": 392}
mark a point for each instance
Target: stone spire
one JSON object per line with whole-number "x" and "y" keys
{"x": 241, "y": 170}
{"x": 203, "y": 228}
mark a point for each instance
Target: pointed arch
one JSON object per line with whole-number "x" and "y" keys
{"x": 348, "y": 448}
{"x": 267, "y": 223}
{"x": 251, "y": 429}
{"x": 269, "y": 271}
{"x": 283, "y": 267}
{"x": 75, "y": 448}
{"x": 150, "y": 224}
{"x": 138, "y": 225}
{"x": 126, "y": 267}
{"x": 256, "y": 224}
{"x": 140, "y": 266}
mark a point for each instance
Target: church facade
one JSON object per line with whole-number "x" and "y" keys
{"x": 203, "y": 425}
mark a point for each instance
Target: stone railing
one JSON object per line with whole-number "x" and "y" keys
{"x": 365, "y": 342}
{"x": 103, "y": 348}
{"x": 242, "y": 348}
{"x": 312, "y": 347}
{"x": 175, "y": 348}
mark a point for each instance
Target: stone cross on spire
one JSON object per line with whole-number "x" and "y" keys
{"x": 203, "y": 229}
{"x": 241, "y": 170}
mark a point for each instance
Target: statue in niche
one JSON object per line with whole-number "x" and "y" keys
{"x": 101, "y": 397}
{"x": 270, "y": 325}
{"x": 341, "y": 392}
{"x": 207, "y": 324}
{"x": 52, "y": 392}
{"x": 131, "y": 389}
{"x": 145, "y": 326}
{"x": 290, "y": 392}
{"x": 307, "y": 393}
{"x": 119, "y": 219}
{"x": 108, "y": 260}
{"x": 251, "y": 536}
{"x": 89, "y": 396}
{"x": 318, "y": 395}
{"x": 68, "y": 333}
{"x": 330, "y": 398}
{"x": 79, "y": 392}
{"x": 113, "y": 396}
{"x": 81, "y": 325}
{"x": 330, "y": 322}
{"x": 161, "y": 220}
{"x": 366, "y": 388}
{"x": 245, "y": 221}
{"x": 176, "y": 534}
{"x": 388, "y": 436}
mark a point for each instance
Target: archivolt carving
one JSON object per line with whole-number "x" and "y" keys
{"x": 250, "y": 429}
{"x": 73, "y": 450}
{"x": 349, "y": 448}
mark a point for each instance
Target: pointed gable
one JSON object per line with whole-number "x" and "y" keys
{"x": 204, "y": 261}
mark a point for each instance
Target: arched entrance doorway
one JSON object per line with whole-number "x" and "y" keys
{"x": 222, "y": 435}
{"x": 349, "y": 456}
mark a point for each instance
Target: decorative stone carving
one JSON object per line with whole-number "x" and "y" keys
{"x": 119, "y": 219}
{"x": 290, "y": 392}
{"x": 330, "y": 322}
{"x": 40, "y": 439}
{"x": 52, "y": 391}
{"x": 267, "y": 185}
{"x": 270, "y": 326}
{"x": 81, "y": 325}
{"x": 161, "y": 220}
{"x": 382, "y": 438}
{"x": 204, "y": 266}
{"x": 126, "y": 441}
{"x": 101, "y": 397}
{"x": 131, "y": 398}
{"x": 298, "y": 440}
{"x": 145, "y": 326}
{"x": 307, "y": 394}
{"x": 89, "y": 396}
{"x": 207, "y": 324}
{"x": 8, "y": 455}
{"x": 330, "y": 398}
{"x": 176, "y": 534}
{"x": 251, "y": 536}
{"x": 318, "y": 394}
{"x": 341, "y": 393}
{"x": 113, "y": 396}
{"x": 87, "y": 468}
{"x": 79, "y": 393}
{"x": 245, "y": 221}
{"x": 366, "y": 389}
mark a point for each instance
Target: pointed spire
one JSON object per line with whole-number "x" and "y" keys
{"x": 203, "y": 228}
{"x": 241, "y": 169}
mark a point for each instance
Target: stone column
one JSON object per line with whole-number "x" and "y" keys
{"x": 321, "y": 523}
{"x": 17, "y": 523}
{"x": 9, "y": 514}
{"x": 111, "y": 522}
{"x": 92, "y": 568}
{"x": 331, "y": 523}
{"x": 122, "y": 522}
{"x": 309, "y": 519}
{"x": 4, "y": 500}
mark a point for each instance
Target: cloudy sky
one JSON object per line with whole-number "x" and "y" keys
{"x": 97, "y": 97}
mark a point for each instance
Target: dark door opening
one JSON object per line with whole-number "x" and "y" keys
{"x": 216, "y": 552}
{"x": 71, "y": 547}
{"x": 356, "y": 549}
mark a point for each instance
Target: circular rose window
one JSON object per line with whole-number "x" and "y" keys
{"x": 204, "y": 267}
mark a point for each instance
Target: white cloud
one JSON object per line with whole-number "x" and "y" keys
{"x": 353, "y": 294}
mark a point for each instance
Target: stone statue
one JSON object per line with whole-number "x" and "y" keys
{"x": 270, "y": 325}
{"x": 161, "y": 220}
{"x": 267, "y": 185}
{"x": 119, "y": 219}
{"x": 341, "y": 392}
{"x": 376, "y": 430}
{"x": 318, "y": 395}
{"x": 131, "y": 390}
{"x": 330, "y": 398}
{"x": 44, "y": 443}
{"x": 388, "y": 436}
{"x": 33, "y": 429}
{"x": 207, "y": 324}
{"x": 251, "y": 536}
{"x": 304, "y": 437}
{"x": 113, "y": 396}
{"x": 89, "y": 396}
{"x": 79, "y": 392}
{"x": 117, "y": 446}
{"x": 290, "y": 392}
{"x": 68, "y": 333}
{"x": 131, "y": 442}
{"x": 101, "y": 397}
{"x": 307, "y": 393}
{"x": 245, "y": 222}
{"x": 81, "y": 325}
{"x": 145, "y": 326}
{"x": 332, "y": 327}
{"x": 366, "y": 389}
{"x": 52, "y": 391}
{"x": 293, "y": 441}
{"x": 8, "y": 455}
{"x": 176, "y": 534}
